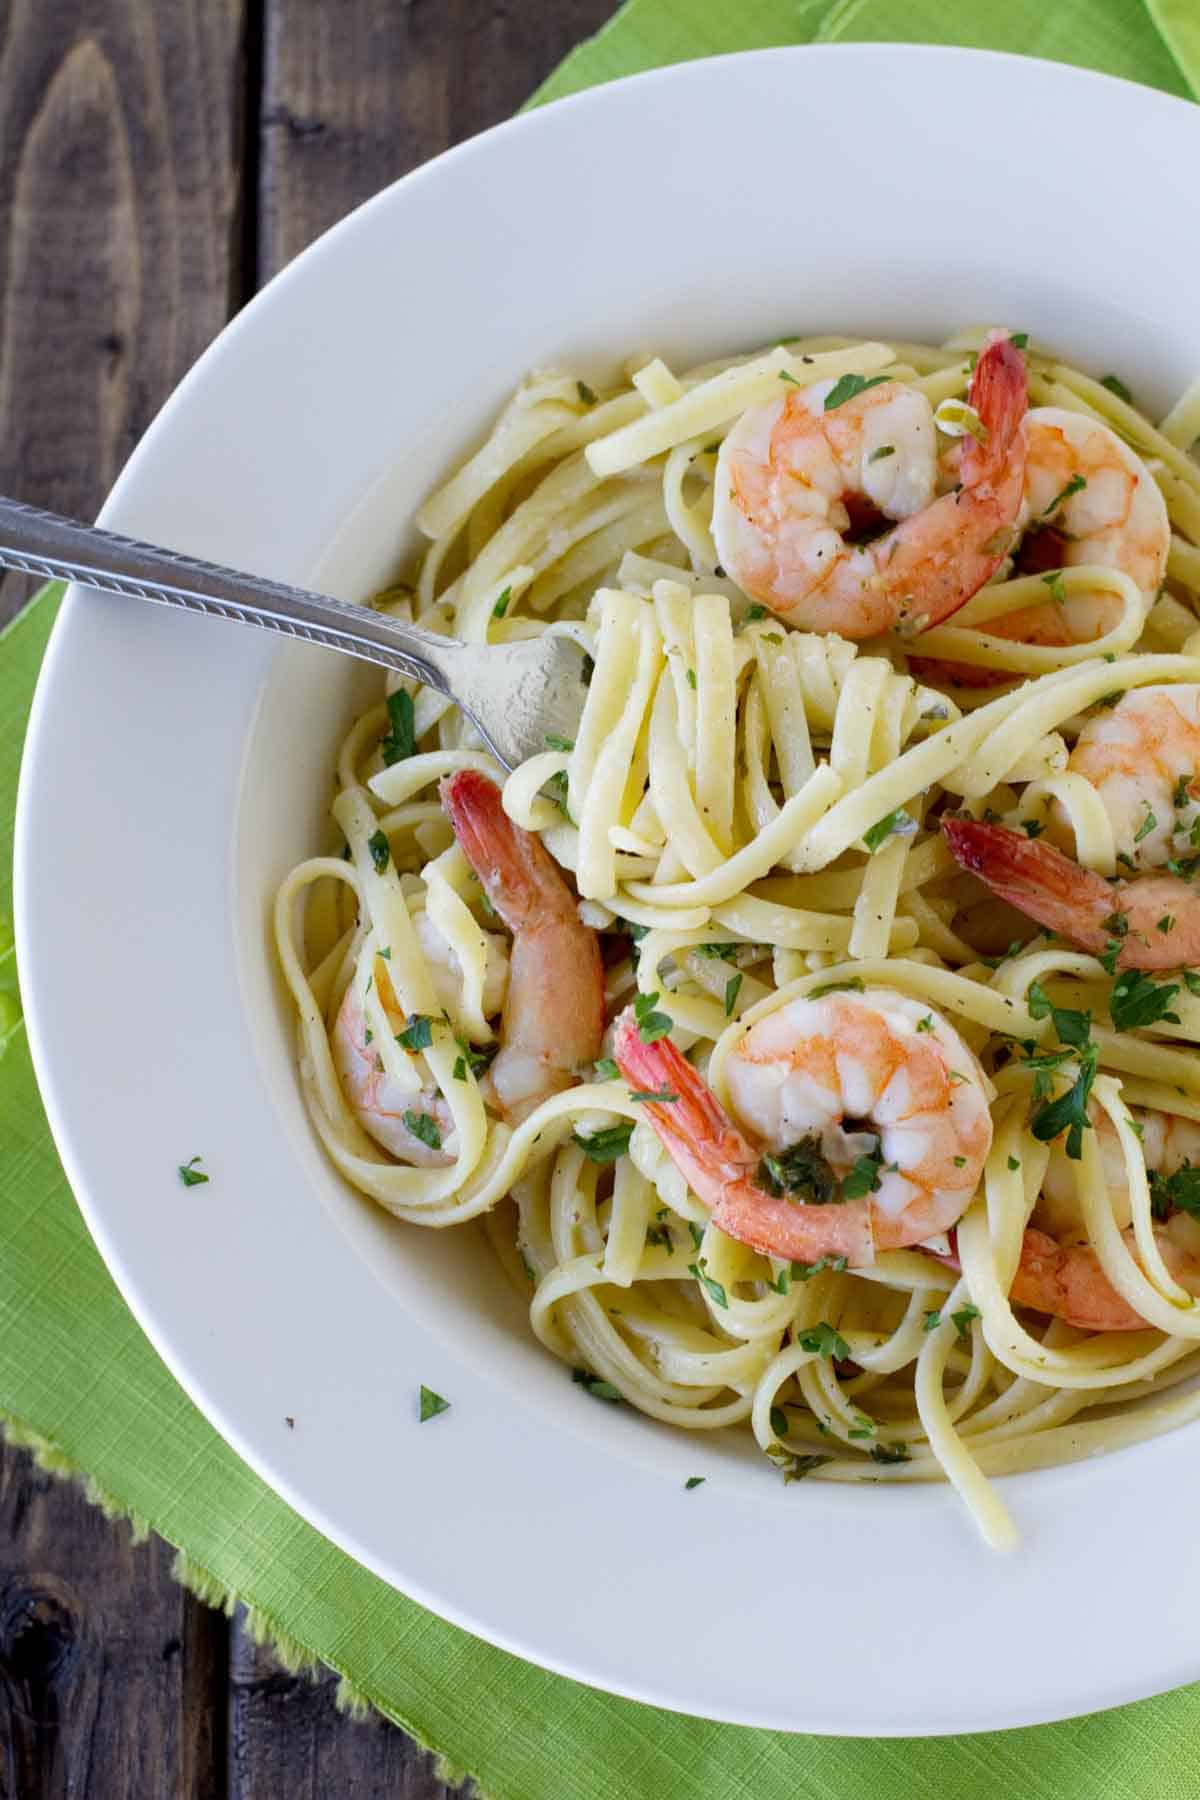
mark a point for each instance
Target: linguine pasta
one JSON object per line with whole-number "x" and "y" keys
{"x": 749, "y": 813}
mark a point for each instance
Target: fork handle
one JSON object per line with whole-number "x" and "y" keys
{"x": 42, "y": 543}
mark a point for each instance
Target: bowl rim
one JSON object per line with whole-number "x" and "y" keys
{"x": 70, "y": 1131}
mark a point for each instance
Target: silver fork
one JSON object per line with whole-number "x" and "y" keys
{"x": 516, "y": 695}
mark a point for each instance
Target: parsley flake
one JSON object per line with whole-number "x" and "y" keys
{"x": 431, "y": 1404}
{"x": 1057, "y": 586}
{"x": 585, "y": 393}
{"x": 417, "y": 1034}
{"x": 801, "y": 1173}
{"x": 849, "y": 387}
{"x": 651, "y": 1025}
{"x": 822, "y": 1340}
{"x": 596, "y": 1386}
{"x": 1137, "y": 1001}
{"x": 883, "y": 450}
{"x": 400, "y": 741}
{"x": 501, "y": 606}
{"x": 190, "y": 1175}
{"x": 694, "y": 1481}
{"x": 424, "y": 1128}
{"x": 715, "y": 1291}
{"x": 605, "y": 1146}
{"x": 1076, "y": 485}
{"x": 381, "y": 850}
{"x": 1116, "y": 386}
{"x": 898, "y": 824}
{"x": 732, "y": 988}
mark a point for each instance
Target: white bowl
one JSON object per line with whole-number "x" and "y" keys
{"x": 176, "y": 768}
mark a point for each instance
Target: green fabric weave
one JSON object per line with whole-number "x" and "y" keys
{"x": 77, "y": 1376}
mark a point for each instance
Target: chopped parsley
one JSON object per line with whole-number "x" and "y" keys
{"x": 1073, "y": 1027}
{"x": 1069, "y": 1112}
{"x": 854, "y": 984}
{"x": 381, "y": 850}
{"x": 424, "y": 1128}
{"x": 805, "y": 1271}
{"x": 598, "y": 1388}
{"x": 585, "y": 393}
{"x": 606, "y": 1069}
{"x": 925, "y": 1024}
{"x": 864, "y": 1429}
{"x": 1116, "y": 386}
{"x": 898, "y": 824}
{"x": 417, "y": 1034}
{"x": 1014, "y": 1164}
{"x": 716, "y": 952}
{"x": 651, "y": 1025}
{"x": 659, "y": 1237}
{"x": 932, "y": 1320}
{"x": 1183, "y": 791}
{"x": 863, "y": 1178}
{"x": 691, "y": 678}
{"x": 190, "y": 1175}
{"x": 732, "y": 989}
{"x": 605, "y": 1146}
{"x": 849, "y": 387}
{"x": 795, "y": 1468}
{"x": 1179, "y": 1192}
{"x": 501, "y": 606}
{"x": 1146, "y": 827}
{"x": 1137, "y": 1001}
{"x": 1055, "y": 583}
{"x": 554, "y": 742}
{"x": 1018, "y": 339}
{"x": 962, "y": 1319}
{"x": 801, "y": 1173}
{"x": 780, "y": 1423}
{"x": 889, "y": 1453}
{"x": 822, "y": 1340}
{"x": 694, "y": 1481}
{"x": 1076, "y": 485}
{"x": 754, "y": 614}
{"x": 790, "y": 379}
{"x": 400, "y": 741}
{"x": 883, "y": 450}
{"x": 782, "y": 1283}
{"x": 431, "y": 1404}
{"x": 662, "y": 1096}
{"x": 1166, "y": 923}
{"x": 715, "y": 1291}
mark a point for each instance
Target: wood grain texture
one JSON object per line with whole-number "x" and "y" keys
{"x": 111, "y": 1678}
{"x": 120, "y": 150}
{"x": 157, "y": 159}
{"x": 288, "y": 1738}
{"x": 358, "y": 93}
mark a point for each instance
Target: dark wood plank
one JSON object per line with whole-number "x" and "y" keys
{"x": 120, "y": 150}
{"x": 288, "y": 1738}
{"x": 355, "y": 95}
{"x": 112, "y": 1682}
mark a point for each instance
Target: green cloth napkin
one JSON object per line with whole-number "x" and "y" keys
{"x": 80, "y": 1382}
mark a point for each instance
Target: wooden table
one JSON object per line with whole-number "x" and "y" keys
{"x": 160, "y": 159}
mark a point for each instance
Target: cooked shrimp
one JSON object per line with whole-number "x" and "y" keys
{"x": 1143, "y": 759}
{"x": 1068, "y": 1281}
{"x": 874, "y": 1083}
{"x": 1154, "y": 919}
{"x": 380, "y": 1102}
{"x": 553, "y": 1019}
{"x": 1088, "y": 498}
{"x": 786, "y": 471}
{"x": 1168, "y": 1143}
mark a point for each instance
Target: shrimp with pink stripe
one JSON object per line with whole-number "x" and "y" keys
{"x": 861, "y": 1124}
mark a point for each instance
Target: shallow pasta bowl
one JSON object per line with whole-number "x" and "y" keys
{"x": 861, "y": 189}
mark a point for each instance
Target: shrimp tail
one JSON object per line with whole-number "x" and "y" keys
{"x": 718, "y": 1164}
{"x": 1035, "y": 878}
{"x": 1067, "y": 1281}
{"x": 514, "y": 866}
{"x": 999, "y": 394}
{"x": 1155, "y": 918}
